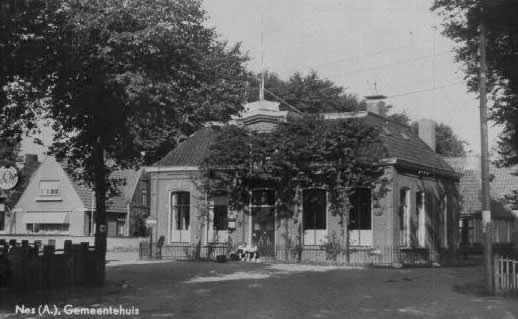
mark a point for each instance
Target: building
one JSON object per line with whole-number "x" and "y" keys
{"x": 54, "y": 203}
{"x": 9, "y": 197}
{"x": 418, "y": 212}
{"x": 503, "y": 183}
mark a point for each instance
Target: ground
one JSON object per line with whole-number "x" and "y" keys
{"x": 243, "y": 290}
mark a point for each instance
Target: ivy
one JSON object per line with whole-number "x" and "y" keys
{"x": 304, "y": 152}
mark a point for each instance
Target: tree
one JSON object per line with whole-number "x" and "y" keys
{"x": 313, "y": 95}
{"x": 125, "y": 77}
{"x": 309, "y": 93}
{"x": 303, "y": 152}
{"x": 21, "y": 50}
{"x": 447, "y": 143}
{"x": 461, "y": 20}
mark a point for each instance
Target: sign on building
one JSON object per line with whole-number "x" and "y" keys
{"x": 8, "y": 177}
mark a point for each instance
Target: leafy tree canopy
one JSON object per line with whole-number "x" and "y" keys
{"x": 308, "y": 93}
{"x": 313, "y": 95}
{"x": 304, "y": 152}
{"x": 461, "y": 21}
{"x": 136, "y": 75}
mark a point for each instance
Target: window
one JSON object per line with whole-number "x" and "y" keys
{"x": 2, "y": 221}
{"x": 360, "y": 217}
{"x": 314, "y": 215}
{"x": 47, "y": 228}
{"x": 404, "y": 217}
{"x": 220, "y": 221}
{"x": 181, "y": 216}
{"x": 49, "y": 188}
{"x": 314, "y": 209}
{"x": 421, "y": 218}
{"x": 445, "y": 221}
{"x": 144, "y": 195}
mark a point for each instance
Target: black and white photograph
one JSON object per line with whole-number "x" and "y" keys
{"x": 259, "y": 159}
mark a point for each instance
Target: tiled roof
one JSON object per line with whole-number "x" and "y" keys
{"x": 401, "y": 143}
{"x": 116, "y": 203}
{"x": 191, "y": 151}
{"x": 503, "y": 183}
{"x": 398, "y": 142}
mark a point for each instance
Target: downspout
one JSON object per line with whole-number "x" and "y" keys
{"x": 92, "y": 212}
{"x": 127, "y": 222}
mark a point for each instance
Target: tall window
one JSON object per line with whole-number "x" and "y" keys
{"x": 49, "y": 188}
{"x": 144, "y": 194}
{"x": 445, "y": 221}
{"x": 2, "y": 220}
{"x": 404, "y": 217}
{"x": 181, "y": 216}
{"x": 220, "y": 220}
{"x": 360, "y": 217}
{"x": 314, "y": 215}
{"x": 421, "y": 218}
{"x": 2, "y": 216}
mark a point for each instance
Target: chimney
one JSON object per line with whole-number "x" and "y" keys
{"x": 375, "y": 103}
{"x": 427, "y": 132}
{"x": 31, "y": 159}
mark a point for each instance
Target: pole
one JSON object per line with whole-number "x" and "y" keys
{"x": 484, "y": 160}
{"x": 100, "y": 213}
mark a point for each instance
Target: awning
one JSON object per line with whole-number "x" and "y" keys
{"x": 46, "y": 218}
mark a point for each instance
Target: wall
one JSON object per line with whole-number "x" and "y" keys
{"x": 138, "y": 209}
{"x": 434, "y": 223}
{"x": 162, "y": 184}
{"x": 67, "y": 201}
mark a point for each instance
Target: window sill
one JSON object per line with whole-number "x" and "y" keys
{"x": 48, "y": 199}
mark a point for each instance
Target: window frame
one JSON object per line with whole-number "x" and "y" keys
{"x": 173, "y": 216}
{"x": 51, "y": 194}
{"x": 315, "y": 231}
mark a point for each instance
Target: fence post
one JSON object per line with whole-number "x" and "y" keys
{"x": 83, "y": 263}
{"x": 496, "y": 273}
{"x": 69, "y": 263}
{"x": 48, "y": 274}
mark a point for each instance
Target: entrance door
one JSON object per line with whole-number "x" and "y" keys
{"x": 263, "y": 221}
{"x": 180, "y": 217}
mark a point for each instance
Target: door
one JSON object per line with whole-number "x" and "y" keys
{"x": 180, "y": 217}
{"x": 263, "y": 221}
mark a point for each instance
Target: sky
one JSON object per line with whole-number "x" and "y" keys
{"x": 392, "y": 47}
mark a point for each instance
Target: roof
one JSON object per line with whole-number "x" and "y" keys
{"x": 398, "y": 142}
{"x": 191, "y": 151}
{"x": 404, "y": 145}
{"x": 503, "y": 183}
{"x": 115, "y": 203}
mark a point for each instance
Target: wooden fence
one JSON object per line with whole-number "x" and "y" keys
{"x": 506, "y": 274}
{"x": 25, "y": 266}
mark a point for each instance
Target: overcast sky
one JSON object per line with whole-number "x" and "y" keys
{"x": 393, "y": 43}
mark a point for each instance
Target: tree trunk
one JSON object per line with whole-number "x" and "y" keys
{"x": 100, "y": 214}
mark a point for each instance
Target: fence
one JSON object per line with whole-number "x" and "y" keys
{"x": 283, "y": 254}
{"x": 25, "y": 266}
{"x": 506, "y": 274}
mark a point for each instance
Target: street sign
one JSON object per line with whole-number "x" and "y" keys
{"x": 150, "y": 221}
{"x": 8, "y": 177}
{"x": 2, "y": 207}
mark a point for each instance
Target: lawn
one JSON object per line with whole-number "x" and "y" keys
{"x": 243, "y": 290}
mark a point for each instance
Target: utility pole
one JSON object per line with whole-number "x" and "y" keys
{"x": 484, "y": 156}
